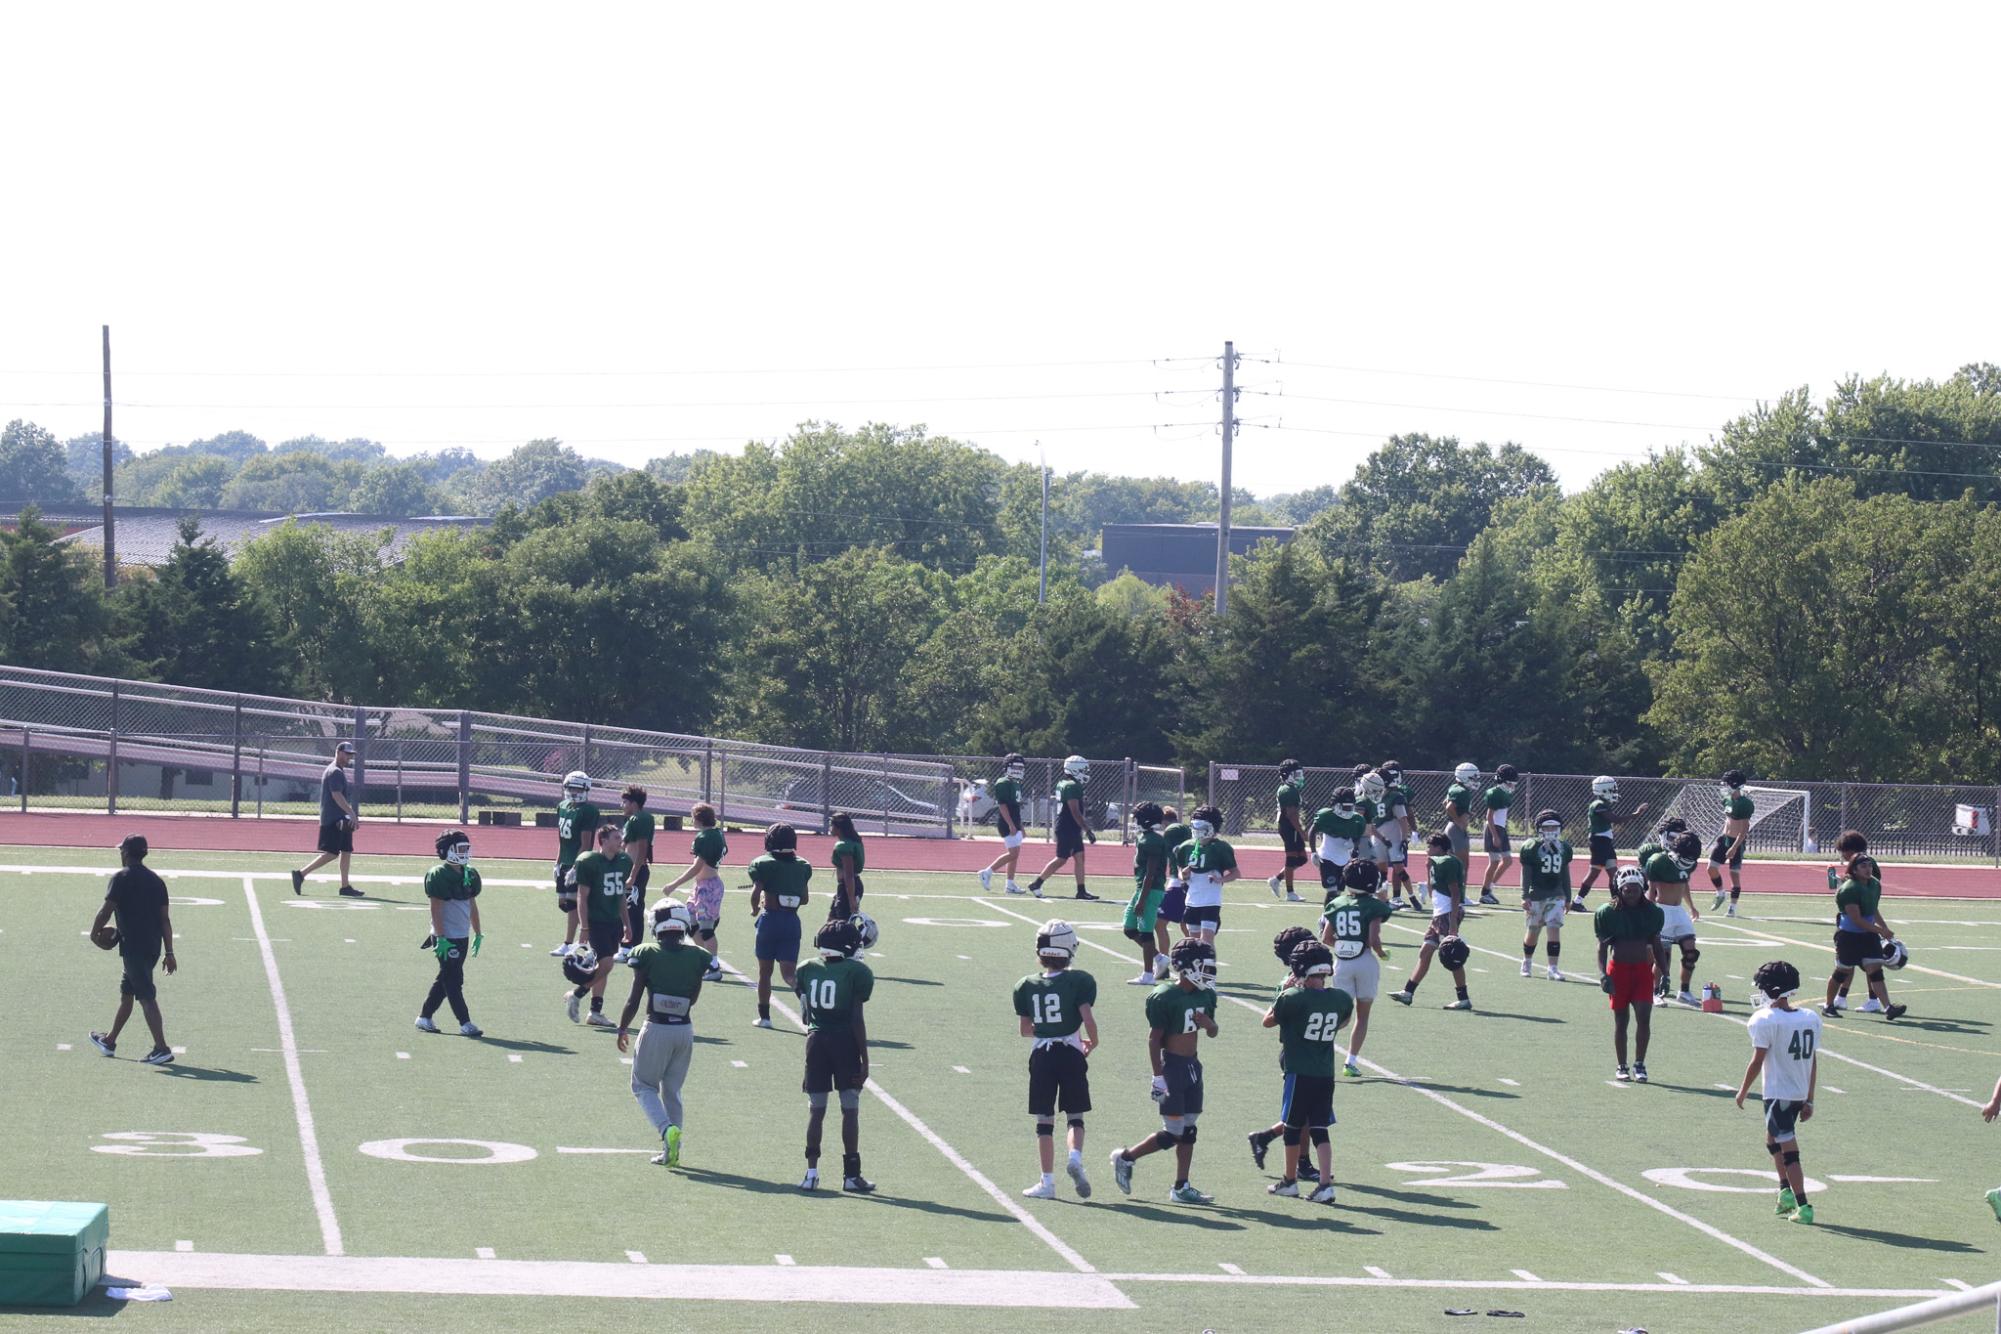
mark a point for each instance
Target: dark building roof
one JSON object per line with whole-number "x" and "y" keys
{"x": 147, "y": 533}
{"x": 1177, "y": 555}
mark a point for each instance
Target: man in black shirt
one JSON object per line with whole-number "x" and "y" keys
{"x": 138, "y": 899}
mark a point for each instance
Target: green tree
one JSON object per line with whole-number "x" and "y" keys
{"x": 33, "y": 466}
{"x": 52, "y": 608}
{"x": 528, "y": 475}
{"x": 397, "y": 489}
{"x": 354, "y": 450}
{"x": 1086, "y": 679}
{"x": 291, "y": 483}
{"x": 195, "y": 482}
{"x": 83, "y": 455}
{"x": 197, "y": 625}
{"x": 315, "y": 581}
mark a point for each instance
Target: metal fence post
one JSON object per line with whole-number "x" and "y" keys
{"x": 1126, "y": 806}
{"x": 260, "y": 780}
{"x": 360, "y": 754}
{"x": 722, "y": 801}
{"x": 1212, "y": 786}
{"x": 1993, "y": 823}
{"x": 826, "y": 791}
{"x": 27, "y": 749}
{"x": 111, "y": 767}
{"x": 586, "y": 765}
{"x": 236, "y": 760}
{"x": 1844, "y": 806}
{"x": 399, "y": 781}
{"x": 885, "y": 795}
{"x": 708, "y": 754}
{"x": 465, "y": 766}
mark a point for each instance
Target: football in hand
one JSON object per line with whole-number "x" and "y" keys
{"x": 105, "y": 937}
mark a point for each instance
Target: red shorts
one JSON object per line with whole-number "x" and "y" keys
{"x": 1632, "y": 983}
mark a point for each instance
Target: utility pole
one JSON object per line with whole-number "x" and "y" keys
{"x": 1042, "y": 590}
{"x": 110, "y": 538}
{"x": 1223, "y": 513}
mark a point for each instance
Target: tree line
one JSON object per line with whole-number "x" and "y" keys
{"x": 1808, "y": 594}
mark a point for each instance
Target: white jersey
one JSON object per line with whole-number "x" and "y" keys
{"x": 1789, "y": 1039}
{"x": 1205, "y": 889}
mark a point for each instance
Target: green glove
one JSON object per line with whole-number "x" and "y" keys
{"x": 442, "y": 948}
{"x": 475, "y": 944}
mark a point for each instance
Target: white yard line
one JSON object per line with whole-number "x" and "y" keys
{"x": 302, "y": 1110}
{"x": 1829, "y": 949}
{"x": 1514, "y": 1285}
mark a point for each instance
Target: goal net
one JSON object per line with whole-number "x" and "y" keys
{"x": 1781, "y": 817}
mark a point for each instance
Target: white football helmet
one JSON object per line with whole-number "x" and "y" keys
{"x": 1631, "y": 877}
{"x": 1468, "y": 772}
{"x": 671, "y": 917}
{"x": 1077, "y": 767}
{"x": 1015, "y": 767}
{"x": 576, "y": 781}
{"x": 1057, "y": 940}
{"x": 1371, "y": 787}
{"x": 866, "y": 928}
{"x": 1605, "y": 787}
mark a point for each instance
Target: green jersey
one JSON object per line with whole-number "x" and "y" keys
{"x": 783, "y": 880}
{"x": 1599, "y": 813}
{"x": 1349, "y": 914}
{"x": 1007, "y": 797}
{"x": 1055, "y": 1001}
{"x": 1370, "y": 811}
{"x": 1648, "y": 851}
{"x": 847, "y": 847}
{"x": 1738, "y": 807}
{"x": 673, "y": 976}
{"x": 1288, "y": 800}
{"x": 1172, "y": 1009}
{"x": 1150, "y": 855}
{"x": 833, "y": 991}
{"x": 1458, "y": 801}
{"x": 576, "y": 824}
{"x": 1308, "y": 1019}
{"x": 457, "y": 886}
{"x": 1395, "y": 804}
{"x": 1865, "y": 896}
{"x": 1546, "y": 870}
{"x": 1644, "y": 922}
{"x": 1340, "y": 835}
{"x": 711, "y": 846}
{"x": 639, "y": 829}
{"x": 1664, "y": 869}
{"x": 601, "y": 886}
{"x": 1447, "y": 876}
{"x": 1208, "y": 860}
{"x": 1067, "y": 791}
{"x": 1498, "y": 801}
{"x": 1175, "y": 835}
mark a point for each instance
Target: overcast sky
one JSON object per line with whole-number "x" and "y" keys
{"x": 654, "y": 228}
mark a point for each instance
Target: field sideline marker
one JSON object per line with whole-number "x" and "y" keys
{"x": 309, "y": 1139}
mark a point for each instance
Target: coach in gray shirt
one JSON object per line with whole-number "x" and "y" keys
{"x": 337, "y": 821}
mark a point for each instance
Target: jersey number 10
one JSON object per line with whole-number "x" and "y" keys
{"x": 821, "y": 995}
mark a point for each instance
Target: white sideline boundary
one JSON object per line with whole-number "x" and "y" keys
{"x": 309, "y": 1139}
{"x": 1829, "y": 949}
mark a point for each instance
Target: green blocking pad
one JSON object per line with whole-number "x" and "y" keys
{"x": 51, "y": 1253}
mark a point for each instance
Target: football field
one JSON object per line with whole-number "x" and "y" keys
{"x": 312, "y": 1161}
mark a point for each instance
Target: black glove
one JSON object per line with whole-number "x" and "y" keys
{"x": 1605, "y": 984}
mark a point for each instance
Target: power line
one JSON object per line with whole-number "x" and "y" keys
{"x": 1531, "y": 384}
{"x": 600, "y": 373}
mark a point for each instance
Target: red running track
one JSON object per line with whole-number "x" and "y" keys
{"x": 67, "y": 829}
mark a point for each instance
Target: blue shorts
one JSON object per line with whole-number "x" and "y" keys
{"x": 1173, "y": 903}
{"x": 778, "y": 935}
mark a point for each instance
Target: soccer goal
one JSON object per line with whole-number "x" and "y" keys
{"x": 1781, "y": 817}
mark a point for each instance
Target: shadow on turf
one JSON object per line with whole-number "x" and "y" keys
{"x": 523, "y": 1044}
{"x": 910, "y": 981}
{"x": 1437, "y": 1087}
{"x": 1971, "y": 1027}
{"x": 1405, "y": 1196}
{"x": 1690, "y": 1088}
{"x": 1320, "y": 1220}
{"x": 1902, "y": 1239}
{"x": 1481, "y": 1012}
{"x": 181, "y": 1070}
{"x": 760, "y": 1186}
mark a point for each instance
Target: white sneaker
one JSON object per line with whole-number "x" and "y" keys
{"x": 1872, "y": 1006}
{"x": 623, "y": 954}
{"x": 1325, "y": 1195}
{"x": 1271, "y": 883}
{"x": 1145, "y": 979}
{"x": 760, "y": 1023}
{"x": 1553, "y": 973}
{"x": 562, "y": 951}
{"x": 1013, "y": 888}
{"x": 572, "y": 1003}
{"x": 1722, "y": 897}
{"x": 1041, "y": 1190}
{"x": 1075, "y": 1167}
{"x": 469, "y": 1029}
{"x": 1286, "y": 1188}
{"x": 713, "y": 973}
{"x": 1034, "y": 891}
{"x": 1686, "y": 999}
{"x": 986, "y": 880}
{"x": 425, "y": 1025}
{"x": 1841, "y": 1002}
{"x": 1291, "y": 897}
{"x": 596, "y": 1019}
{"x": 1160, "y": 971}
{"x": 1731, "y": 911}
{"x": 1527, "y": 968}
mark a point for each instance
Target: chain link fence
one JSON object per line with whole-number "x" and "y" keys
{"x": 1905, "y": 821}
{"x": 1113, "y": 788}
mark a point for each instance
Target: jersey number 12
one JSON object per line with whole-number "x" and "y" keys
{"x": 1048, "y": 1008}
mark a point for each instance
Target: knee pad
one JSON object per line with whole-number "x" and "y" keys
{"x": 851, "y": 1100}
{"x": 1689, "y": 953}
{"x": 1188, "y": 1134}
{"x": 1076, "y": 1123}
{"x": 1790, "y": 1157}
{"x": 1044, "y": 1127}
{"x": 817, "y": 1101}
{"x": 1555, "y": 945}
{"x": 1139, "y": 937}
{"x": 1319, "y": 1135}
{"x": 1291, "y": 1136}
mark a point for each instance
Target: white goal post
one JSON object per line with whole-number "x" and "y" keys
{"x": 1781, "y": 817}
{"x": 1923, "y": 1313}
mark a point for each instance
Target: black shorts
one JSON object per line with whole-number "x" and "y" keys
{"x": 1069, "y": 838}
{"x": 1211, "y": 917}
{"x": 1295, "y": 845}
{"x": 1308, "y": 1102}
{"x": 841, "y": 906}
{"x": 833, "y": 1062}
{"x": 1781, "y": 1115}
{"x": 1184, "y": 1084}
{"x": 336, "y": 838}
{"x": 138, "y": 980}
{"x": 1495, "y": 839}
{"x": 1857, "y": 947}
{"x": 1330, "y": 875}
{"x": 606, "y": 937}
{"x": 1603, "y": 853}
{"x": 1059, "y": 1079}
{"x": 1727, "y": 849}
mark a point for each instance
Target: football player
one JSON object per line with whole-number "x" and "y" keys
{"x": 1861, "y": 936}
{"x": 1393, "y": 831}
{"x": 1142, "y": 924}
{"x": 847, "y": 859}
{"x": 777, "y": 892}
{"x": 576, "y": 830}
{"x": 452, "y": 886}
{"x": 1545, "y": 892}
{"x": 1307, "y": 1016}
{"x": 1340, "y": 835}
{"x": 1988, "y": 1113}
{"x": 1173, "y": 903}
{"x": 1447, "y": 884}
{"x": 1495, "y": 842}
{"x": 833, "y": 988}
{"x": 1667, "y": 884}
{"x": 1785, "y": 1043}
{"x": 1658, "y": 841}
{"x": 637, "y": 833}
{"x": 1352, "y": 927}
{"x": 1073, "y": 829}
{"x": 1282, "y": 945}
{"x": 137, "y": 898}
{"x": 1007, "y": 816}
{"x": 1291, "y": 829}
{"x": 1054, "y": 1007}
{"x": 1629, "y": 949}
{"x": 1207, "y": 863}
{"x": 1459, "y": 809}
{"x": 601, "y": 893}
{"x": 705, "y": 905}
{"x": 1177, "y": 1013}
{"x": 1729, "y": 846}
{"x": 1601, "y": 816}
{"x": 667, "y": 974}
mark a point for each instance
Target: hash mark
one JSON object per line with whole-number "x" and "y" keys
{"x": 960, "y": 1069}
{"x": 636, "y": 1257}
{"x": 184, "y": 1245}
{"x": 402, "y": 1055}
{"x": 1238, "y": 1270}
{"x": 483, "y": 1252}
{"x": 62, "y": 1046}
{"x": 1374, "y": 1271}
{"x": 1525, "y": 1276}
{"x": 934, "y": 1261}
{"x": 1673, "y": 1278}
{"x": 784, "y": 1259}
{"x": 1512, "y": 1083}
{"x": 513, "y": 1058}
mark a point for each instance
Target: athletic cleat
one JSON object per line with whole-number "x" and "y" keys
{"x": 673, "y": 1141}
{"x": 350, "y": 892}
{"x": 1841, "y": 1002}
{"x": 1829, "y": 1012}
{"x": 158, "y": 1056}
{"x": 104, "y": 1044}
{"x": 1461, "y": 1004}
{"x": 1993, "y": 1198}
{"x": 1402, "y": 997}
{"x": 1871, "y": 1006}
{"x": 624, "y": 953}
{"x": 811, "y": 1181}
{"x": 1803, "y": 1214}
{"x": 1639, "y": 1072}
{"x": 1145, "y": 979}
{"x": 1722, "y": 897}
{"x": 1122, "y": 1174}
{"x": 1487, "y": 898}
{"x": 1686, "y": 998}
{"x": 1731, "y": 911}
{"x": 1013, "y": 888}
{"x": 1260, "y": 1146}
{"x": 469, "y": 1029}
{"x": 425, "y": 1024}
{"x": 1041, "y": 1190}
{"x": 1527, "y": 968}
{"x": 1185, "y": 1193}
{"x": 596, "y": 1019}
{"x": 1325, "y": 1195}
{"x": 1896, "y": 1012}
{"x": 1075, "y": 1168}
{"x": 1622, "y": 1074}
{"x": 1553, "y": 973}
{"x": 1085, "y": 895}
{"x": 986, "y": 880}
{"x": 760, "y": 1022}
{"x": 1291, "y": 897}
{"x": 563, "y": 951}
{"x": 858, "y": 1185}
{"x": 298, "y": 882}
{"x": 1578, "y": 905}
{"x": 572, "y": 1004}
{"x": 714, "y": 972}
{"x": 1786, "y": 1201}
{"x": 1289, "y": 1189}
{"x": 1307, "y": 1171}
{"x": 1034, "y": 892}
{"x": 1272, "y": 883}
{"x": 1351, "y": 1070}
